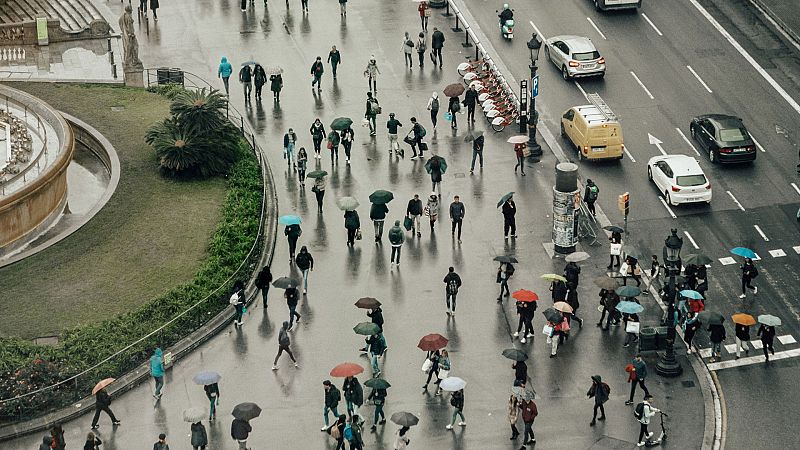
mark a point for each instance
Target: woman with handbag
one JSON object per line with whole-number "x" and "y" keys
{"x": 444, "y": 370}
{"x": 513, "y": 416}
{"x": 631, "y": 322}
{"x": 319, "y": 190}
{"x": 347, "y": 142}
{"x": 553, "y": 332}
{"x": 453, "y": 108}
{"x": 333, "y": 145}
{"x": 432, "y": 361}
{"x": 615, "y": 249}
{"x": 351, "y": 223}
{"x": 317, "y": 131}
{"x": 302, "y": 161}
{"x": 519, "y": 152}
{"x": 633, "y": 271}
{"x": 432, "y": 209}
{"x": 424, "y": 13}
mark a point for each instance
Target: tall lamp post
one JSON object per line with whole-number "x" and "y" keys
{"x": 534, "y": 45}
{"x": 667, "y": 365}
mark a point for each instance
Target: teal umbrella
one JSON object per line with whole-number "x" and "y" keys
{"x": 694, "y": 295}
{"x": 341, "y": 123}
{"x": 367, "y": 328}
{"x": 381, "y": 197}
{"x": 289, "y": 220}
{"x": 628, "y": 291}
{"x": 743, "y": 252}
{"x": 505, "y": 198}
{"x": 316, "y": 174}
{"x": 629, "y": 307}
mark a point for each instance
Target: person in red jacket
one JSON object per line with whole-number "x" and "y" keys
{"x": 529, "y": 413}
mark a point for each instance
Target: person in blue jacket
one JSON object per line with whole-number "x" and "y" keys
{"x": 157, "y": 371}
{"x": 225, "y": 70}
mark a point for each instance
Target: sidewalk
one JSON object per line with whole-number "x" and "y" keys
{"x": 784, "y": 14}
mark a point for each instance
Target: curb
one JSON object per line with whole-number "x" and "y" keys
{"x": 713, "y": 423}
{"x": 777, "y": 21}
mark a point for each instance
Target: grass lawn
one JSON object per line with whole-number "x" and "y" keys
{"x": 151, "y": 236}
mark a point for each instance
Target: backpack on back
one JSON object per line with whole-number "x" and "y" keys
{"x": 452, "y": 286}
{"x": 593, "y": 190}
{"x": 374, "y": 108}
{"x": 638, "y": 412}
{"x": 348, "y": 432}
{"x": 435, "y": 104}
{"x": 421, "y": 130}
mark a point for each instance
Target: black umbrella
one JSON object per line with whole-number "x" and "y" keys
{"x": 472, "y": 135}
{"x": 367, "y": 303}
{"x": 696, "y": 259}
{"x": 505, "y": 259}
{"x": 246, "y": 411}
{"x": 614, "y": 229}
{"x": 515, "y": 354}
{"x": 552, "y": 315}
{"x": 285, "y": 283}
{"x": 404, "y": 419}
{"x": 710, "y": 317}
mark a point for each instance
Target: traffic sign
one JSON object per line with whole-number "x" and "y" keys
{"x": 535, "y": 86}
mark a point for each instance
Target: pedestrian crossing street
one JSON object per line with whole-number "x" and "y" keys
{"x": 786, "y": 340}
{"x": 776, "y": 253}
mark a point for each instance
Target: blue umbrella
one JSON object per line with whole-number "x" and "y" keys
{"x": 289, "y": 220}
{"x": 628, "y": 291}
{"x": 205, "y": 378}
{"x": 629, "y": 307}
{"x": 694, "y": 295}
{"x": 743, "y": 252}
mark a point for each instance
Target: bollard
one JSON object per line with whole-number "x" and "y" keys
{"x": 466, "y": 40}
{"x": 564, "y": 220}
{"x": 114, "y": 71}
{"x": 457, "y": 29}
{"x": 108, "y": 41}
{"x": 447, "y": 10}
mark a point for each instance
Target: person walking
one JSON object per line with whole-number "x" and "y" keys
{"x": 246, "y": 78}
{"x": 414, "y": 138}
{"x": 333, "y": 145}
{"x": 291, "y": 295}
{"x": 600, "y": 392}
{"x": 457, "y": 402}
{"x": 289, "y": 141}
{"x": 47, "y": 442}
{"x": 317, "y": 69}
{"x": 572, "y": 300}
{"x": 559, "y": 290}
{"x": 304, "y": 6}
{"x": 452, "y": 283}
{"x": 337, "y": 431}
{"x": 615, "y": 249}
{"x": 332, "y": 398}
{"x": 284, "y": 345}
{"x": 92, "y": 442}
{"x": 647, "y": 411}
{"x": 432, "y": 209}
{"x": 504, "y": 272}
{"x": 302, "y": 164}
{"x": 401, "y": 441}
{"x": 347, "y": 142}
{"x": 319, "y": 192}
{"x": 317, "y": 131}
{"x": 749, "y": 273}
{"x": 293, "y": 233}
{"x": 57, "y": 441}
{"x": 342, "y": 12}
{"x": 457, "y": 216}
{"x": 742, "y": 335}
{"x": 609, "y": 306}
{"x": 433, "y": 107}
{"x": 240, "y": 431}
{"x": 421, "y": 47}
{"x": 263, "y": 281}
{"x": 424, "y": 13}
{"x": 453, "y": 107}
{"x": 371, "y": 73}
{"x": 477, "y": 151}
{"x": 436, "y": 174}
{"x": 433, "y": 370}
{"x": 716, "y": 336}
{"x": 102, "y": 402}
{"x": 353, "y": 432}
{"x": 260, "y": 79}
{"x": 161, "y": 443}
{"x": 520, "y": 373}
{"x": 529, "y": 413}
{"x": 378, "y": 397}
{"x": 513, "y": 413}
{"x": 391, "y": 126}
{"x": 509, "y": 222}
{"x": 655, "y": 272}
{"x": 396, "y": 238}
{"x": 334, "y": 58}
{"x": 408, "y": 48}
{"x": 690, "y": 327}
{"x": 157, "y": 371}
{"x": 239, "y": 303}
{"x": 525, "y": 311}
{"x": 437, "y": 43}
{"x": 154, "y": 6}
{"x": 767, "y": 335}
{"x": 376, "y": 345}
{"x": 590, "y": 195}
{"x": 470, "y": 100}
{"x": 224, "y": 71}
{"x": 372, "y": 110}
{"x": 377, "y": 213}
{"x": 353, "y": 395}
{"x": 351, "y": 224}
{"x": 632, "y": 324}
{"x": 637, "y": 376}
{"x": 519, "y": 151}
{"x": 199, "y": 436}
{"x": 305, "y": 262}
{"x": 444, "y": 370}
{"x": 414, "y": 211}
{"x": 275, "y": 85}
{"x": 212, "y": 393}
{"x": 631, "y": 269}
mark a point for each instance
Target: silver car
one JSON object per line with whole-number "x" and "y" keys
{"x": 575, "y": 56}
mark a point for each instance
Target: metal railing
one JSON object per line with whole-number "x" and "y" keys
{"x": 40, "y": 130}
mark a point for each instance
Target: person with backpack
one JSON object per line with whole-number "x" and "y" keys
{"x": 157, "y": 371}
{"x": 433, "y": 107}
{"x": 317, "y": 69}
{"x": 317, "y": 131}
{"x": 284, "y": 346}
{"x": 457, "y": 402}
{"x": 408, "y": 48}
{"x": 275, "y": 85}
{"x": 529, "y": 413}
{"x": 378, "y": 397}
{"x": 332, "y": 398}
{"x": 421, "y": 47}
{"x": 224, "y": 71}
{"x": 263, "y": 281}
{"x": 437, "y": 43}
{"x": 334, "y": 58}
{"x": 749, "y": 273}
{"x": 293, "y": 233}
{"x": 414, "y": 138}
{"x": 347, "y": 142}
{"x": 353, "y": 395}
{"x": 240, "y": 431}
{"x": 716, "y": 335}
{"x": 504, "y": 273}
{"x": 457, "y": 212}
{"x": 600, "y": 391}
{"x": 396, "y": 238}
{"x": 377, "y": 213}
{"x": 391, "y": 126}
{"x": 590, "y": 195}
{"x": 291, "y": 296}
{"x": 333, "y": 145}
{"x": 246, "y": 78}
{"x": 432, "y": 209}
{"x": 767, "y": 335}
{"x": 477, "y": 152}
{"x": 643, "y": 412}
{"x": 376, "y": 345}
{"x": 452, "y": 283}
{"x": 453, "y": 107}
{"x": 351, "y": 223}
{"x": 414, "y": 211}
{"x": 352, "y": 432}
{"x": 509, "y": 209}
{"x": 637, "y": 373}
{"x": 305, "y": 262}
{"x": 212, "y": 393}
{"x": 372, "y": 110}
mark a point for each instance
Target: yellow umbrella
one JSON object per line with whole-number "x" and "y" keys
{"x": 553, "y": 277}
{"x": 744, "y": 319}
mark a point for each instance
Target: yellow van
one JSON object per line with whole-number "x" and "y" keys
{"x": 593, "y": 130}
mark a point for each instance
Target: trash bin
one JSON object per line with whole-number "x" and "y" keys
{"x": 647, "y": 339}
{"x": 661, "y": 338}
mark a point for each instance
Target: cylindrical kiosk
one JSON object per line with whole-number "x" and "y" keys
{"x": 565, "y": 193}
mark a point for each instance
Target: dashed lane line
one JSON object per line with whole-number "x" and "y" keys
{"x": 669, "y": 210}
{"x": 687, "y": 141}
{"x": 699, "y": 79}
{"x": 652, "y": 24}
{"x": 596, "y": 29}
{"x": 537, "y": 30}
{"x": 787, "y": 339}
{"x": 727, "y": 261}
{"x": 735, "y": 201}
{"x": 796, "y": 189}
{"x": 761, "y": 233}
{"x": 777, "y": 253}
{"x": 757, "y": 144}
{"x": 647, "y": 91}
{"x": 796, "y": 249}
{"x": 691, "y": 239}
{"x": 629, "y": 154}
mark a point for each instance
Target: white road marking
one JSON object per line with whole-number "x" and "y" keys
{"x": 655, "y": 141}
{"x": 761, "y": 233}
{"x": 535, "y": 28}
{"x": 748, "y": 360}
{"x": 727, "y": 261}
{"x": 796, "y": 189}
{"x": 691, "y": 239}
{"x": 596, "y": 29}
{"x": 735, "y": 201}
{"x": 705, "y": 352}
{"x": 652, "y": 24}
{"x": 796, "y": 249}
{"x": 730, "y": 348}
{"x": 580, "y": 88}
{"x": 643, "y": 86}
{"x": 668, "y": 208}
{"x": 756, "y": 344}
{"x": 629, "y": 155}
{"x": 777, "y": 253}
{"x": 787, "y": 339}
{"x": 792, "y": 102}
{"x": 756, "y": 258}
{"x": 757, "y": 144}
{"x": 687, "y": 140}
{"x": 699, "y": 79}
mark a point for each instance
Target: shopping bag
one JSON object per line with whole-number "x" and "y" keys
{"x": 358, "y": 234}
{"x": 433, "y": 58}
{"x": 426, "y": 365}
{"x": 616, "y": 249}
{"x": 623, "y": 269}
{"x": 448, "y": 117}
{"x": 443, "y": 374}
{"x": 408, "y": 222}
{"x": 365, "y": 122}
{"x": 547, "y": 330}
{"x": 526, "y": 152}
{"x": 632, "y": 327}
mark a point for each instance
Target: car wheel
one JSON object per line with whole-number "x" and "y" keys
{"x": 564, "y": 73}
{"x": 580, "y": 154}
{"x": 712, "y": 156}
{"x": 547, "y": 52}
{"x": 597, "y": 5}
{"x": 649, "y": 174}
{"x": 602, "y": 75}
{"x": 693, "y": 132}
{"x": 563, "y": 131}
{"x": 669, "y": 198}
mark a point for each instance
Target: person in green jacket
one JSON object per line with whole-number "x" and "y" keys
{"x": 396, "y": 238}
{"x": 378, "y": 397}
{"x": 377, "y": 213}
{"x": 333, "y": 143}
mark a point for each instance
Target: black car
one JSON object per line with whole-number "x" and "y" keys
{"x": 723, "y": 137}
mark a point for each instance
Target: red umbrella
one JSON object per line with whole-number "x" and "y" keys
{"x": 432, "y": 342}
{"x": 346, "y": 370}
{"x": 525, "y": 295}
{"x": 454, "y": 90}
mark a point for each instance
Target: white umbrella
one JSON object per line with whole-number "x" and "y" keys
{"x": 194, "y": 414}
{"x": 518, "y": 139}
{"x": 452, "y": 384}
{"x": 577, "y": 257}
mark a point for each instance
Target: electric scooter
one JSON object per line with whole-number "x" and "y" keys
{"x": 654, "y": 442}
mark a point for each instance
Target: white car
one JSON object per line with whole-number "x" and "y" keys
{"x": 679, "y": 178}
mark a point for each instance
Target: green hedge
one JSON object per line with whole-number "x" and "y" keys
{"x": 25, "y": 367}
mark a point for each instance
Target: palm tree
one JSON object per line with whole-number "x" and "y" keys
{"x": 186, "y": 153}
{"x": 201, "y": 110}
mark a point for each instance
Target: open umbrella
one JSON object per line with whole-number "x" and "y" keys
{"x": 613, "y": 229}
{"x": 577, "y": 257}
{"x": 367, "y": 328}
{"x": 317, "y": 174}
{"x": 249, "y": 63}
{"x": 340, "y": 123}
{"x": 285, "y": 283}
{"x": 367, "y": 303}
{"x": 696, "y": 259}
{"x": 524, "y": 295}
{"x": 694, "y": 295}
{"x": 377, "y": 383}
{"x": 194, "y": 414}
{"x": 743, "y": 252}
{"x": 432, "y": 342}
{"x": 563, "y": 307}
{"x": 472, "y": 135}
{"x": 523, "y": 393}
{"x": 273, "y": 70}
{"x": 606, "y": 283}
{"x": 404, "y": 419}
{"x": 515, "y": 354}
{"x": 204, "y": 378}
{"x": 442, "y": 164}
{"x": 744, "y": 319}
{"x": 505, "y": 259}
{"x": 381, "y": 197}
{"x": 102, "y": 385}
{"x": 347, "y": 204}
{"x": 553, "y": 277}
{"x": 346, "y": 370}
{"x": 454, "y": 90}
{"x": 710, "y": 317}
{"x": 631, "y": 252}
{"x": 452, "y": 384}
{"x": 246, "y": 411}
{"x": 629, "y": 307}
{"x": 504, "y": 198}
{"x": 518, "y": 139}
{"x": 628, "y": 291}
{"x": 769, "y": 320}
{"x": 552, "y": 315}
{"x": 289, "y": 220}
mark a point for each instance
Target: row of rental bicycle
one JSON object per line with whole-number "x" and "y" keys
{"x": 497, "y": 101}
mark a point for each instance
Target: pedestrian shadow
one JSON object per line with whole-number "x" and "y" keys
{"x": 354, "y": 261}
{"x": 305, "y": 25}
{"x": 452, "y": 334}
{"x": 320, "y": 233}
{"x": 239, "y": 343}
{"x": 265, "y": 328}
{"x": 432, "y": 247}
{"x": 266, "y": 23}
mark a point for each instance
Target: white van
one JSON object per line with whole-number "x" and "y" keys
{"x": 605, "y": 5}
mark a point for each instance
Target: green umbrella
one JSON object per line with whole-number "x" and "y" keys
{"x": 404, "y": 419}
{"x": 504, "y": 198}
{"x": 442, "y": 164}
{"x": 515, "y": 354}
{"x": 367, "y": 328}
{"x": 710, "y": 317}
{"x": 628, "y": 291}
{"x": 381, "y": 197}
{"x": 769, "y": 320}
{"x": 696, "y": 259}
{"x": 472, "y": 135}
{"x": 340, "y": 123}
{"x": 377, "y": 383}
{"x": 317, "y": 174}
{"x": 347, "y": 203}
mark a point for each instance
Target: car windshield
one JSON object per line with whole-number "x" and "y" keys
{"x": 691, "y": 180}
{"x": 588, "y": 56}
{"x": 733, "y": 134}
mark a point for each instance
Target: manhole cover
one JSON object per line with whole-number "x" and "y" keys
{"x": 460, "y": 175}
{"x": 687, "y": 383}
{"x": 117, "y": 108}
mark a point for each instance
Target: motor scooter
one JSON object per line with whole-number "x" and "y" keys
{"x": 507, "y": 28}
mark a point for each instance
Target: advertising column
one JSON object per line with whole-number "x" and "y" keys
{"x": 565, "y": 193}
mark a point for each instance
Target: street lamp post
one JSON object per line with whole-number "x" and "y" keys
{"x": 534, "y": 45}
{"x": 667, "y": 365}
